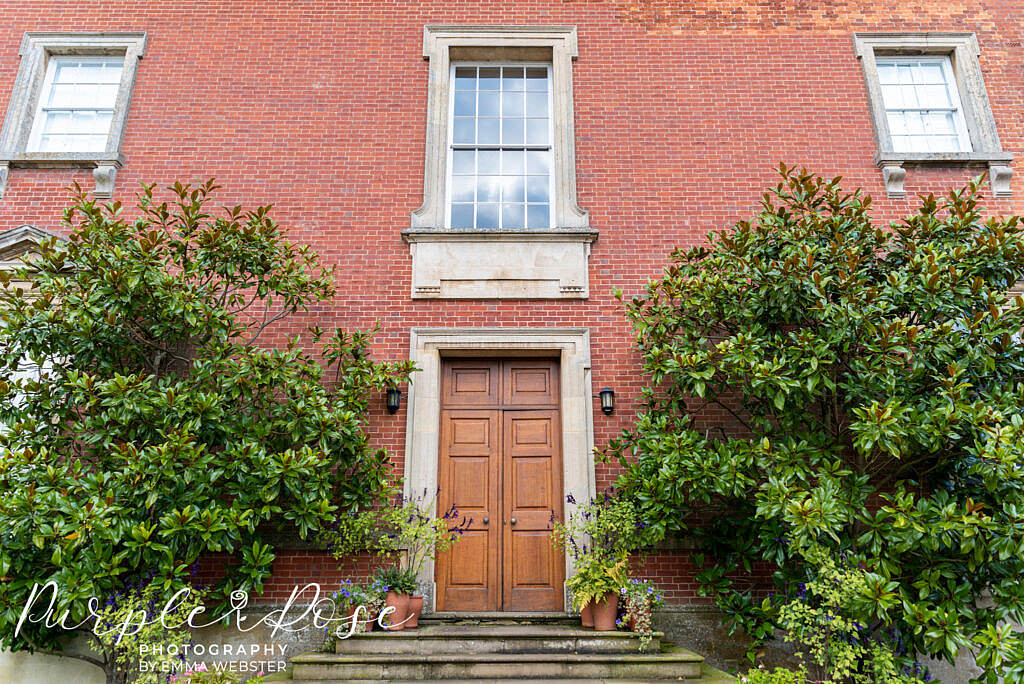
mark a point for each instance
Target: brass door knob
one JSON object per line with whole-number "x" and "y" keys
{"x": 513, "y": 521}
{"x": 487, "y": 521}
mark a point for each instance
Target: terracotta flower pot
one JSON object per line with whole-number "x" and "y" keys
{"x": 415, "y": 608}
{"x": 605, "y": 611}
{"x": 400, "y": 602}
{"x": 587, "y": 614}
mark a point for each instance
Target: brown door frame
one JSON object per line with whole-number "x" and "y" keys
{"x": 494, "y": 522}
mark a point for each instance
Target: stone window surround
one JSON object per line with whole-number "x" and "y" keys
{"x": 530, "y": 264}
{"x": 429, "y": 345}
{"x": 963, "y": 50}
{"x": 36, "y": 49}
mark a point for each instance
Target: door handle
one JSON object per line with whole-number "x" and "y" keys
{"x": 513, "y": 521}
{"x": 487, "y": 521}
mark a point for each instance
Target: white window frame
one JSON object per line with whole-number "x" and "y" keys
{"x": 963, "y": 52}
{"x": 37, "y": 49}
{"x": 36, "y": 133}
{"x": 450, "y": 139}
{"x": 946, "y": 64}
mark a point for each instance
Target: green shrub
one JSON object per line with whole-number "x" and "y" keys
{"x": 875, "y": 377}
{"x": 160, "y": 430}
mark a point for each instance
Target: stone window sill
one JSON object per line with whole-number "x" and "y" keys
{"x": 104, "y": 167}
{"x": 894, "y": 168}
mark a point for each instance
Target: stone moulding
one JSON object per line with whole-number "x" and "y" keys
{"x": 427, "y": 346}
{"x": 500, "y": 264}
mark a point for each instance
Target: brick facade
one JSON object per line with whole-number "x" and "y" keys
{"x": 681, "y": 111}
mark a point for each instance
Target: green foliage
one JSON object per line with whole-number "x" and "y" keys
{"x": 397, "y": 579}
{"x": 779, "y": 675}
{"x": 607, "y": 527}
{"x": 874, "y": 375}
{"x": 400, "y": 529}
{"x": 130, "y": 635}
{"x": 841, "y": 648}
{"x": 595, "y": 576}
{"x": 159, "y": 429}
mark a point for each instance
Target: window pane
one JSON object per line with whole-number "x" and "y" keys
{"x": 511, "y": 104}
{"x": 462, "y": 216}
{"x": 463, "y": 188}
{"x": 512, "y": 189}
{"x": 512, "y": 162}
{"x": 487, "y": 215}
{"x": 513, "y": 216}
{"x": 489, "y": 132}
{"x": 488, "y": 78}
{"x": 536, "y": 78}
{"x": 465, "y": 78}
{"x": 538, "y": 161}
{"x": 933, "y": 96}
{"x": 886, "y": 73}
{"x": 897, "y": 123}
{"x": 512, "y": 78}
{"x": 537, "y": 216}
{"x": 462, "y": 161}
{"x": 932, "y": 73}
{"x": 465, "y": 104}
{"x": 512, "y": 132}
{"x": 465, "y": 131}
{"x": 488, "y": 104}
{"x": 489, "y": 161}
{"x": 536, "y": 104}
{"x": 892, "y": 96}
{"x": 488, "y": 189}
{"x": 536, "y": 131}
{"x": 537, "y": 189}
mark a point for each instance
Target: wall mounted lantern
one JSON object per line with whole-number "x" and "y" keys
{"x": 607, "y": 401}
{"x": 393, "y": 399}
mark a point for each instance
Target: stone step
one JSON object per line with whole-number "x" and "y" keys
{"x": 671, "y": 663}
{"x": 502, "y": 617}
{"x": 456, "y": 637}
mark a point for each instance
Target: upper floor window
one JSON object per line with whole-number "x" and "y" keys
{"x": 922, "y": 104}
{"x": 928, "y": 104}
{"x": 499, "y": 218}
{"x": 76, "y": 106}
{"x": 70, "y": 103}
{"x": 500, "y": 147}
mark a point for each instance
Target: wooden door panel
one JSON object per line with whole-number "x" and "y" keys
{"x": 532, "y": 569}
{"x": 529, "y": 383}
{"x": 469, "y": 477}
{"x": 471, "y": 383}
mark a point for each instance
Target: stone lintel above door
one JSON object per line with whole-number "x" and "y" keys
{"x": 517, "y": 264}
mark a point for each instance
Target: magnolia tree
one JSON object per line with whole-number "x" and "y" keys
{"x": 158, "y": 428}
{"x": 875, "y": 378}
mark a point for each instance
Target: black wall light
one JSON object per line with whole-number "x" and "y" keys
{"x": 393, "y": 399}
{"x": 607, "y": 401}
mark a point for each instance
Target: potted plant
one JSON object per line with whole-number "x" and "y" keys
{"x": 641, "y": 599}
{"x": 403, "y": 530}
{"x": 370, "y": 596}
{"x": 599, "y": 535}
{"x": 400, "y": 585}
{"x": 596, "y": 581}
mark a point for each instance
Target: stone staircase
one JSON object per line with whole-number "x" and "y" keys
{"x": 479, "y": 647}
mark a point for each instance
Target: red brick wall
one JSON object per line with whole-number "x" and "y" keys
{"x": 682, "y": 110}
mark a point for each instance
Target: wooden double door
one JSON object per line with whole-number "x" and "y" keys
{"x": 500, "y": 466}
